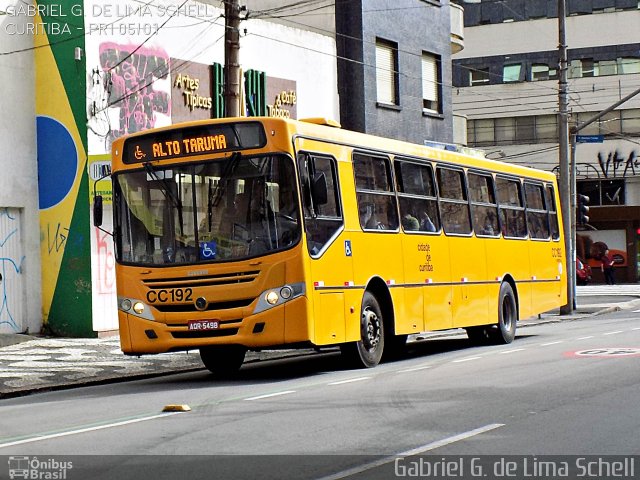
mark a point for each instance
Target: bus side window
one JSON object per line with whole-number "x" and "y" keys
{"x": 537, "y": 217}
{"x": 483, "y": 205}
{"x": 374, "y": 191}
{"x": 511, "y": 208}
{"x": 417, "y": 196}
{"x": 550, "y": 197}
{"x": 322, "y": 218}
{"x": 453, "y": 201}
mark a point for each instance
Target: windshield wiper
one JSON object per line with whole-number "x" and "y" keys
{"x": 173, "y": 199}
{"x": 229, "y": 168}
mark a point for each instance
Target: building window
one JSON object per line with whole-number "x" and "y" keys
{"x": 431, "y": 84}
{"x": 541, "y": 71}
{"x": 387, "y": 72}
{"x": 525, "y": 129}
{"x": 631, "y": 120}
{"x": 547, "y": 128}
{"x": 511, "y": 73}
{"x": 629, "y": 65}
{"x": 505, "y": 130}
{"x": 603, "y": 192}
{"x": 478, "y": 76}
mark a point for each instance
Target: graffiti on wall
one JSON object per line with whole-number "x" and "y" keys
{"x": 129, "y": 88}
{"x": 11, "y": 267}
{"x": 612, "y": 162}
{"x": 105, "y": 262}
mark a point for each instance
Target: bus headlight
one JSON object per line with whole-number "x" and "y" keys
{"x": 125, "y": 304}
{"x": 286, "y": 292}
{"x": 133, "y": 306}
{"x": 272, "y": 298}
{"x": 277, "y": 296}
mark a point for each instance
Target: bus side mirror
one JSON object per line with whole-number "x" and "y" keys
{"x": 97, "y": 211}
{"x": 319, "y": 188}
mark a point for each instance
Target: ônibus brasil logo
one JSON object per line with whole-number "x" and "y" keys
{"x": 33, "y": 468}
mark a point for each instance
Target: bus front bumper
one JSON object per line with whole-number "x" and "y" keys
{"x": 280, "y": 325}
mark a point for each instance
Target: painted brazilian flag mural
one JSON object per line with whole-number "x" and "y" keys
{"x": 62, "y": 172}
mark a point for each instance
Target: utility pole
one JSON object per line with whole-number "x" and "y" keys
{"x": 232, "y": 58}
{"x": 563, "y": 159}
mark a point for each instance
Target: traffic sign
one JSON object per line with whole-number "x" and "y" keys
{"x": 590, "y": 138}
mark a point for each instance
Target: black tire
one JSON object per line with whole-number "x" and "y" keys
{"x": 223, "y": 361}
{"x": 367, "y": 352}
{"x": 505, "y": 330}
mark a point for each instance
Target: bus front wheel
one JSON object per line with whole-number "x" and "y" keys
{"x": 367, "y": 352}
{"x": 223, "y": 360}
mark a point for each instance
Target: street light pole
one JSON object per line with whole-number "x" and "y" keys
{"x": 232, "y": 58}
{"x": 563, "y": 158}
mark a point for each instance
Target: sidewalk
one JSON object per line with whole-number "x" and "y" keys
{"x": 30, "y": 364}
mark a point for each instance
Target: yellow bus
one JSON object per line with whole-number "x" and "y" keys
{"x": 262, "y": 233}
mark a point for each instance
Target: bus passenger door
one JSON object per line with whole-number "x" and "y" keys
{"x": 331, "y": 264}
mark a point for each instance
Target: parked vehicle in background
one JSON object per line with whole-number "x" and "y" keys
{"x": 583, "y": 272}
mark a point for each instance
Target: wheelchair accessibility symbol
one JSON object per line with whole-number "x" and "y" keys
{"x": 347, "y": 248}
{"x": 208, "y": 250}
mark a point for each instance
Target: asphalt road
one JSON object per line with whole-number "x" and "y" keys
{"x": 568, "y": 388}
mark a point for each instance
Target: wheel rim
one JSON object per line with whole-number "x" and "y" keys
{"x": 371, "y": 334}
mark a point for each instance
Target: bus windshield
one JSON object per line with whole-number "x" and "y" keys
{"x": 220, "y": 210}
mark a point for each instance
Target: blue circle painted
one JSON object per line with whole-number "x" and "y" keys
{"x": 57, "y": 161}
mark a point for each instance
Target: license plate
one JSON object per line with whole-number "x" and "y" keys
{"x": 201, "y": 325}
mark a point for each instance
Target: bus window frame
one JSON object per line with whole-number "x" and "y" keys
{"x": 545, "y": 210}
{"x": 550, "y": 191}
{"x": 518, "y": 181}
{"x": 303, "y": 195}
{"x": 427, "y": 163}
{"x": 441, "y": 199}
{"x": 472, "y": 203}
{"x": 391, "y": 193}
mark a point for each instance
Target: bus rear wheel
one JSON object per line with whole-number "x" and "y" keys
{"x": 367, "y": 352}
{"x": 223, "y": 361}
{"x": 505, "y": 330}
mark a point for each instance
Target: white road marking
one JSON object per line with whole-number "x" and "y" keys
{"x": 585, "y": 338}
{"x": 468, "y": 359}
{"x": 415, "y": 451}
{"x": 84, "y": 430}
{"x": 612, "y": 333}
{"x": 269, "y": 395}
{"x": 414, "y": 369}
{"x": 511, "y": 351}
{"x": 636, "y": 328}
{"x": 551, "y": 343}
{"x": 351, "y": 380}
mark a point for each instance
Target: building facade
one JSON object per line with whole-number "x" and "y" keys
{"x": 393, "y": 65}
{"x": 506, "y": 84}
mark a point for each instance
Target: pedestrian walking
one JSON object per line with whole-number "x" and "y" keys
{"x": 607, "y": 268}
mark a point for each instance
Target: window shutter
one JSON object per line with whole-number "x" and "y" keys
{"x": 385, "y": 74}
{"x": 429, "y": 82}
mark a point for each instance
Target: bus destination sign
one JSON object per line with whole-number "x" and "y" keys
{"x": 190, "y": 141}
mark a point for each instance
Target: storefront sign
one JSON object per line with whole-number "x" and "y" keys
{"x": 191, "y": 97}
